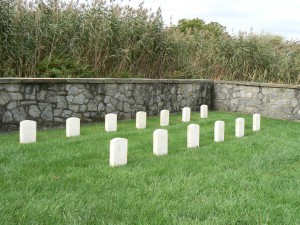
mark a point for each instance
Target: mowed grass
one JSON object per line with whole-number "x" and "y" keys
{"x": 59, "y": 180}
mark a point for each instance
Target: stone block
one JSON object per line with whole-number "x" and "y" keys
{"x": 7, "y": 117}
{"x": 26, "y": 103}
{"x": 87, "y": 93}
{"x": 41, "y": 95}
{"x": 92, "y": 106}
{"x": 87, "y": 114}
{"x": 193, "y": 135}
{"x": 183, "y": 102}
{"x": 256, "y": 122}
{"x": 59, "y": 120}
{"x": 72, "y": 90}
{"x": 128, "y": 94}
{"x": 12, "y": 105}
{"x": 98, "y": 98}
{"x": 66, "y": 114}
{"x": 30, "y": 92}
{"x": 111, "y": 89}
{"x": 141, "y": 120}
{"x": 51, "y": 97}
{"x": 79, "y": 99}
{"x": 15, "y": 96}
{"x": 100, "y": 89}
{"x": 120, "y": 106}
{"x": 131, "y": 101}
{"x": 120, "y": 97}
{"x": 47, "y": 113}
{"x": 160, "y": 142}
{"x": 34, "y": 111}
{"x": 294, "y": 102}
{"x": 27, "y": 131}
{"x": 239, "y": 127}
{"x": 219, "y": 131}
{"x": 101, "y": 107}
{"x": 203, "y": 111}
{"x": 62, "y": 102}
{"x": 164, "y": 117}
{"x": 19, "y": 114}
{"x": 118, "y": 152}
{"x": 114, "y": 102}
{"x": 109, "y": 108}
{"x": 13, "y": 88}
{"x": 111, "y": 122}
{"x": 57, "y": 112}
{"x": 72, "y": 127}
{"x": 69, "y": 99}
{"x": 186, "y": 114}
{"x": 93, "y": 114}
{"x": 107, "y": 99}
{"x": 82, "y": 108}
{"x": 4, "y": 98}
{"x": 127, "y": 107}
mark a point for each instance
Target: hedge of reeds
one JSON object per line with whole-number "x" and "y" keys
{"x": 100, "y": 39}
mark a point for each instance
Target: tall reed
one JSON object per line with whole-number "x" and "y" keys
{"x": 99, "y": 39}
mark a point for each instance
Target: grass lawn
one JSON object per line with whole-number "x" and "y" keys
{"x": 59, "y": 180}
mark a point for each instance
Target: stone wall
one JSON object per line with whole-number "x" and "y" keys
{"x": 270, "y": 100}
{"x": 51, "y": 101}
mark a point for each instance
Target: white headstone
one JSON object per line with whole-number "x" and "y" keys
{"x": 111, "y": 122}
{"x": 256, "y": 122}
{"x": 203, "y": 111}
{"x": 27, "y": 131}
{"x": 118, "y": 152}
{"x": 186, "y": 114}
{"x": 219, "y": 131}
{"x": 73, "y": 127}
{"x": 193, "y": 135}
{"x": 160, "y": 142}
{"x": 141, "y": 120}
{"x": 164, "y": 117}
{"x": 239, "y": 127}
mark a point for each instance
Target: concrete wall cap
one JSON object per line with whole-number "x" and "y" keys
{"x": 256, "y": 84}
{"x": 99, "y": 80}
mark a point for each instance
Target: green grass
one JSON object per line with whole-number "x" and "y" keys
{"x": 59, "y": 180}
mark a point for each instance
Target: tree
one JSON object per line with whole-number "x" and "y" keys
{"x": 196, "y": 24}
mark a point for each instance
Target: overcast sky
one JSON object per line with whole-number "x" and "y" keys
{"x": 267, "y": 16}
